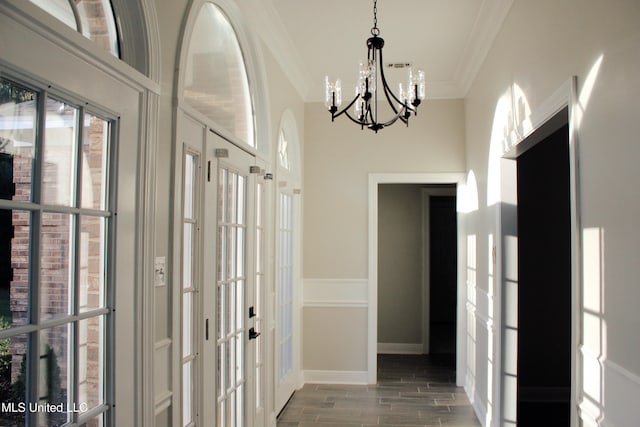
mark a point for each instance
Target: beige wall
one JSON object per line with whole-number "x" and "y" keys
{"x": 338, "y": 158}
{"x": 333, "y": 339}
{"x": 400, "y": 256}
{"x": 543, "y": 44}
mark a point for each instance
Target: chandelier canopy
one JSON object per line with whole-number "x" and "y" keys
{"x": 365, "y": 101}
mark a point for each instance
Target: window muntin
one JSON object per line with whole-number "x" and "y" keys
{"x": 94, "y": 19}
{"x": 54, "y": 315}
{"x": 190, "y": 286}
{"x": 283, "y": 150}
{"x": 216, "y": 83}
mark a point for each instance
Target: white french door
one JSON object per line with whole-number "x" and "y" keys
{"x": 234, "y": 275}
{"x": 286, "y": 314}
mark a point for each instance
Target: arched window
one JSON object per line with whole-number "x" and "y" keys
{"x": 215, "y": 80}
{"x": 92, "y": 18}
{"x": 288, "y": 146}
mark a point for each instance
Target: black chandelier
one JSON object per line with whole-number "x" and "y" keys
{"x": 365, "y": 102}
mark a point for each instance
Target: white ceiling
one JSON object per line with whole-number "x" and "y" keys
{"x": 448, "y": 39}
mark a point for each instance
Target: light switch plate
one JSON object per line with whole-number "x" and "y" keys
{"x": 160, "y": 271}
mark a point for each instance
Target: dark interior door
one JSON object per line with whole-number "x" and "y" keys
{"x": 443, "y": 274}
{"x": 544, "y": 283}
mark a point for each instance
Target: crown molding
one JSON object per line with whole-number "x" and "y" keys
{"x": 265, "y": 20}
{"x": 485, "y": 29}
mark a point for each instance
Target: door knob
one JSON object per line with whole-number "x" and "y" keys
{"x": 253, "y": 334}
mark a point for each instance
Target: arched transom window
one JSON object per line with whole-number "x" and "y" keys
{"x": 288, "y": 145}
{"x": 216, "y": 83}
{"x": 92, "y": 18}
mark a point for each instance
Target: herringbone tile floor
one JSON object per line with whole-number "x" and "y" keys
{"x": 412, "y": 391}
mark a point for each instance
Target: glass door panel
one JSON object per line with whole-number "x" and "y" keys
{"x": 231, "y": 291}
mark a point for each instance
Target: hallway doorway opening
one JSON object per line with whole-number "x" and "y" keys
{"x": 417, "y": 268}
{"x": 544, "y": 282}
{"x": 403, "y": 209}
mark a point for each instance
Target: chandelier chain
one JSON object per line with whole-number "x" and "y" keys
{"x": 375, "y": 31}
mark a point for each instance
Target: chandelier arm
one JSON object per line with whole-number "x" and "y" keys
{"x": 399, "y": 114}
{"x": 395, "y": 119}
{"x": 385, "y": 85}
{"x": 372, "y": 120}
{"x": 344, "y": 110}
{"x": 353, "y": 119}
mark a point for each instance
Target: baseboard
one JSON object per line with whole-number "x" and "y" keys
{"x": 479, "y": 408}
{"x": 335, "y": 377}
{"x": 399, "y": 348}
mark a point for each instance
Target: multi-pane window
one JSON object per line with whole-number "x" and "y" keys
{"x": 55, "y": 225}
{"x": 93, "y": 19}
{"x": 285, "y": 286}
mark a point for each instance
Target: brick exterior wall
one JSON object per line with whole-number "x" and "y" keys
{"x": 54, "y": 258}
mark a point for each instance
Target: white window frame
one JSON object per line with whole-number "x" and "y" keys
{"x": 53, "y": 50}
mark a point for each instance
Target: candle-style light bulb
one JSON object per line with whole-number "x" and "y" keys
{"x": 421, "y": 85}
{"x": 332, "y": 93}
{"x": 338, "y": 91}
{"x": 327, "y": 93}
{"x": 373, "y": 76}
{"x": 401, "y": 96}
{"x": 358, "y": 106}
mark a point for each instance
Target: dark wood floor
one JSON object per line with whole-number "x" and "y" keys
{"x": 412, "y": 391}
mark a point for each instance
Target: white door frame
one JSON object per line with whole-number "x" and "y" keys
{"x": 566, "y": 96}
{"x": 375, "y": 179}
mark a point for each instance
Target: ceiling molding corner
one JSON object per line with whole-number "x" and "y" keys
{"x": 487, "y": 26}
{"x": 265, "y": 19}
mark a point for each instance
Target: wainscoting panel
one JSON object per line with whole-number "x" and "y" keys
{"x": 481, "y": 338}
{"x": 335, "y": 331}
{"x": 621, "y": 394}
{"x": 335, "y": 293}
{"x": 162, "y": 375}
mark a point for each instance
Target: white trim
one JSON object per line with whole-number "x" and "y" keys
{"x": 622, "y": 389}
{"x": 399, "y": 348}
{"x": 44, "y": 25}
{"x": 375, "y": 179}
{"x": 563, "y": 97}
{"x": 619, "y": 396}
{"x": 624, "y": 375}
{"x": 335, "y": 377}
{"x": 139, "y": 36}
{"x": 491, "y": 15}
{"x": 478, "y": 407}
{"x": 263, "y": 16}
{"x": 335, "y": 293}
{"x": 162, "y": 402}
{"x": 483, "y": 309}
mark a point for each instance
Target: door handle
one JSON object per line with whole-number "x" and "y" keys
{"x": 253, "y": 334}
